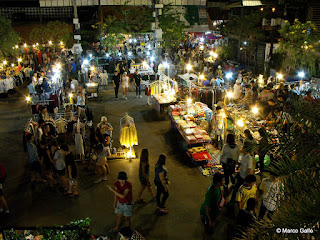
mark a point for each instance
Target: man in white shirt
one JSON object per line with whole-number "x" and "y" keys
{"x": 237, "y": 90}
{"x": 27, "y": 71}
{"x": 104, "y": 78}
{"x": 246, "y": 168}
{"x": 271, "y": 192}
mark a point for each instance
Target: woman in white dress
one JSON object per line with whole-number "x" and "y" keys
{"x": 125, "y": 85}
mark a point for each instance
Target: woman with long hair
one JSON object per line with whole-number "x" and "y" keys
{"x": 144, "y": 175}
{"x": 229, "y": 157}
{"x": 161, "y": 183}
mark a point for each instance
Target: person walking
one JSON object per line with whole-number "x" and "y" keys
{"x": 137, "y": 83}
{"x": 246, "y": 191}
{"x": 3, "y": 203}
{"x": 271, "y": 189}
{"x": 102, "y": 166}
{"x": 161, "y": 182}
{"x": 229, "y": 157}
{"x": 72, "y": 173}
{"x": 212, "y": 205}
{"x": 34, "y": 159}
{"x": 263, "y": 148}
{"x": 116, "y": 83}
{"x": 125, "y": 85}
{"x": 122, "y": 200}
{"x": 60, "y": 165}
{"x": 144, "y": 175}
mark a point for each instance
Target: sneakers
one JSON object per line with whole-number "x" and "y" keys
{"x": 104, "y": 178}
{"x": 164, "y": 210}
{"x": 125, "y": 98}
{"x": 98, "y": 180}
{"x": 140, "y": 96}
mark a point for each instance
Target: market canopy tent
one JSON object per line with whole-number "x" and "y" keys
{"x": 68, "y": 3}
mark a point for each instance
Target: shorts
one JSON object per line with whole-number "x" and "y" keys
{"x": 143, "y": 181}
{"x": 101, "y": 162}
{"x": 125, "y": 85}
{"x": 124, "y": 209}
{"x": 207, "y": 229}
{"x": 61, "y": 172}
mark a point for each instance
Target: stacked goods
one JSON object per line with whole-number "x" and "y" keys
{"x": 128, "y": 136}
{"x": 199, "y": 155}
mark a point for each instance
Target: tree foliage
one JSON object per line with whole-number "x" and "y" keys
{"x": 8, "y": 38}
{"x": 173, "y": 28}
{"x": 298, "y": 154}
{"x": 300, "y": 44}
{"x": 125, "y": 20}
{"x": 55, "y": 31}
{"x": 246, "y": 28}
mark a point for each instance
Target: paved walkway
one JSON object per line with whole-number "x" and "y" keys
{"x": 36, "y": 205}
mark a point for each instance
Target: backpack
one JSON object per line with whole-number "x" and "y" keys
{"x": 231, "y": 164}
{"x": 2, "y": 173}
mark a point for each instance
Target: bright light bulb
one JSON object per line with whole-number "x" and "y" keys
{"x": 148, "y": 53}
{"x": 301, "y": 74}
{"x": 37, "y": 44}
{"x": 86, "y": 62}
{"x": 279, "y": 76}
{"x": 16, "y": 46}
{"x": 189, "y": 100}
{"x": 33, "y": 45}
{"x": 50, "y": 42}
{"x": 70, "y": 95}
{"x": 129, "y": 53}
{"x": 61, "y": 43}
{"x": 12, "y": 65}
{"x": 189, "y": 67}
{"x": 152, "y": 58}
{"x": 240, "y": 123}
{"x": 4, "y": 62}
{"x": 230, "y": 94}
{"x": 19, "y": 59}
{"x": 90, "y": 55}
{"x": 119, "y": 54}
{"x": 254, "y": 110}
{"x": 25, "y": 45}
{"x": 245, "y": 43}
{"x": 201, "y": 39}
{"x": 135, "y": 40}
{"x": 229, "y": 75}
{"x": 107, "y": 55}
{"x": 92, "y": 68}
{"x": 130, "y": 40}
{"x": 201, "y": 77}
{"x": 58, "y": 66}
{"x": 28, "y": 99}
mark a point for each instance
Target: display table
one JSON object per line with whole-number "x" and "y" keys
{"x": 159, "y": 102}
{"x": 188, "y": 118}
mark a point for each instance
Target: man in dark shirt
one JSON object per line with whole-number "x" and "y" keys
{"x": 137, "y": 83}
{"x": 116, "y": 83}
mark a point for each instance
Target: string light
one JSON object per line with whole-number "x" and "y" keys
{"x": 25, "y": 45}
{"x": 19, "y": 59}
{"x": 50, "y": 42}
{"x": 230, "y": 94}
{"x": 240, "y": 123}
{"x": 255, "y": 110}
{"x": 189, "y": 67}
{"x": 61, "y": 43}
{"x": 16, "y": 46}
{"x": 4, "y": 62}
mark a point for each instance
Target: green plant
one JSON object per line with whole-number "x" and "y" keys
{"x": 297, "y": 153}
{"x": 54, "y": 31}
{"x": 8, "y": 38}
{"x": 173, "y": 28}
{"x": 300, "y": 45}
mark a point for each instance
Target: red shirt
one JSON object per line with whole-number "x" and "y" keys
{"x": 121, "y": 189}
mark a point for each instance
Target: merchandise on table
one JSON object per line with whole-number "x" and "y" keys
{"x": 187, "y": 118}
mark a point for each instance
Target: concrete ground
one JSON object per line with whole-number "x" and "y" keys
{"x": 37, "y": 205}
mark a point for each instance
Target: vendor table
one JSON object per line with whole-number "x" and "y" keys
{"x": 159, "y": 103}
